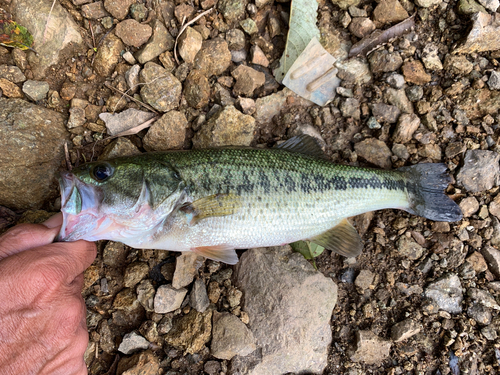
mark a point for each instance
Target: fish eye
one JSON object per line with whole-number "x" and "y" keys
{"x": 101, "y": 172}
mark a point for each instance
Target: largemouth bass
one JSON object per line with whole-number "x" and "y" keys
{"x": 214, "y": 201}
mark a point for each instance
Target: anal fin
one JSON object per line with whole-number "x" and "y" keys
{"x": 342, "y": 239}
{"x": 220, "y": 253}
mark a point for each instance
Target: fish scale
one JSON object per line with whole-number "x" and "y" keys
{"x": 292, "y": 196}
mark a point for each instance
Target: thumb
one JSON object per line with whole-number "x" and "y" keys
{"x": 26, "y": 236}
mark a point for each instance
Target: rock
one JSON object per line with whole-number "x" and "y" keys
{"x": 51, "y": 34}
{"x": 247, "y": 80}
{"x": 479, "y": 102}
{"x": 490, "y": 4}
{"x": 414, "y": 93}
{"x": 482, "y": 297}
{"x": 286, "y": 341}
{"x": 399, "y": 99}
{"x": 469, "y": 206}
{"x": 375, "y": 152}
{"x": 365, "y": 280}
{"x": 161, "y": 89}
{"x": 370, "y": 348}
{"x": 409, "y": 248}
{"x": 430, "y": 57}
{"x": 118, "y": 8}
{"x": 361, "y": 26}
{"x": 198, "y": 298}
{"x": 382, "y": 61}
{"x": 108, "y": 55}
{"x": 160, "y": 42}
{"x": 230, "y": 337}
{"x": 76, "y": 118}
{"x": 32, "y": 140}
{"x": 146, "y": 294}
{"x": 404, "y": 330}
{"x": 214, "y": 57}
{"x": 128, "y": 312}
{"x": 36, "y": 90}
{"x": 446, "y": 293}
{"x": 197, "y": 89}
{"x": 133, "y": 33}
{"x": 414, "y": 72}
{"x": 117, "y": 123}
{"x": 138, "y": 11}
{"x": 114, "y": 254}
{"x": 345, "y": 4}
{"x": 492, "y": 256}
{"x": 228, "y": 127}
{"x": 477, "y": 262}
{"x": 94, "y": 11}
{"x": 396, "y": 80}
{"x": 457, "y": 64}
{"x": 12, "y": 73}
{"x": 144, "y": 363}
{"x": 469, "y": 7}
{"x": 134, "y": 273}
{"x": 479, "y": 313}
{"x": 212, "y": 367}
{"x": 258, "y": 56}
{"x": 480, "y": 171}
{"x": 494, "y": 81}
{"x": 246, "y": 105}
{"x": 9, "y": 89}
{"x": 186, "y": 267}
{"x": 235, "y": 39}
{"x": 354, "y": 71}
{"x": 351, "y": 108}
{"x": 389, "y": 11}
{"x": 249, "y": 26}
{"x": 119, "y": 147}
{"x": 132, "y": 78}
{"x": 431, "y": 151}
{"x": 167, "y": 133}
{"x": 427, "y": 3}
{"x": 168, "y": 299}
{"x": 385, "y": 113}
{"x": 232, "y": 10}
{"x": 132, "y": 342}
{"x": 407, "y": 125}
{"x": 183, "y": 12}
{"x": 189, "y": 44}
{"x": 191, "y": 332}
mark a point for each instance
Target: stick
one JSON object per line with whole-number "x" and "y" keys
{"x": 66, "y": 154}
{"x": 132, "y": 98}
{"x": 185, "y": 27}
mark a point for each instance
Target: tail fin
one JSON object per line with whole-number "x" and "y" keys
{"x": 426, "y": 184}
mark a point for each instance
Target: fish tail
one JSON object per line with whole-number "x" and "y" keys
{"x": 425, "y": 184}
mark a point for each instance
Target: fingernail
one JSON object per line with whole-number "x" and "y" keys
{"x": 54, "y": 221}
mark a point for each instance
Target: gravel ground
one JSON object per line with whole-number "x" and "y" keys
{"x": 422, "y": 298}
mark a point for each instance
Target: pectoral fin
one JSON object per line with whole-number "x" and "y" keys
{"x": 213, "y": 205}
{"x": 221, "y": 253}
{"x": 343, "y": 239}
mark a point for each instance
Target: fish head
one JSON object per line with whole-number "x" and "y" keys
{"x": 116, "y": 200}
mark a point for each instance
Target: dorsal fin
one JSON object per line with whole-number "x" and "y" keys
{"x": 303, "y": 144}
{"x": 342, "y": 239}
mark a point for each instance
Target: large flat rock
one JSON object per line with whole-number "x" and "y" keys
{"x": 32, "y": 140}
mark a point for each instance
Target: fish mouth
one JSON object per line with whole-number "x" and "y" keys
{"x": 80, "y": 206}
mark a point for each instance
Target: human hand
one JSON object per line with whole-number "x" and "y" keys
{"x": 42, "y": 312}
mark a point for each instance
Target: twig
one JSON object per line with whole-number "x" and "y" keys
{"x": 185, "y": 27}
{"x": 47, "y": 22}
{"x": 66, "y": 154}
{"x": 135, "y": 129}
{"x": 132, "y": 98}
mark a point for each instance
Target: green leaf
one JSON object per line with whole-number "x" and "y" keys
{"x": 302, "y": 28}
{"x": 309, "y": 250}
{"x": 12, "y": 34}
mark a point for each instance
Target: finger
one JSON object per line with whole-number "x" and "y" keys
{"x": 25, "y": 236}
{"x": 71, "y": 258}
{"x": 54, "y": 221}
